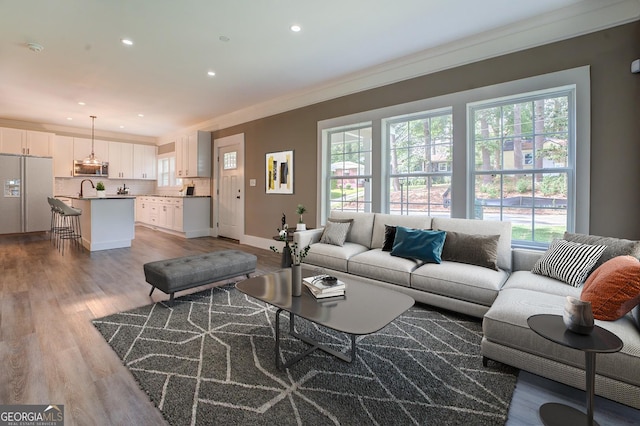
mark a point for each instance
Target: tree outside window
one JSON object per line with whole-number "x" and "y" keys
{"x": 522, "y": 163}
{"x": 420, "y": 158}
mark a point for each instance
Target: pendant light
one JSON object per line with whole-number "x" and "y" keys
{"x": 92, "y": 160}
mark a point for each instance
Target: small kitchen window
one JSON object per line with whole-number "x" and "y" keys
{"x": 230, "y": 160}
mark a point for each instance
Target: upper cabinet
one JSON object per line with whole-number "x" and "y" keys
{"x": 144, "y": 162}
{"x": 26, "y": 142}
{"x": 82, "y": 149}
{"x": 120, "y": 160}
{"x": 193, "y": 155}
{"x": 63, "y": 156}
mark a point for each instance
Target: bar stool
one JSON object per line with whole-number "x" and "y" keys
{"x": 67, "y": 224}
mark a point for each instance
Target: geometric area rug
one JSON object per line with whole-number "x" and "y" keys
{"x": 209, "y": 359}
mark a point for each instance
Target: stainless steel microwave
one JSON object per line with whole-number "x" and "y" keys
{"x": 81, "y": 169}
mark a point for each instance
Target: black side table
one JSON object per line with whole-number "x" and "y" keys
{"x": 552, "y": 328}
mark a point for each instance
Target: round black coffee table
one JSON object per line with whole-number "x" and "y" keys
{"x": 552, "y": 328}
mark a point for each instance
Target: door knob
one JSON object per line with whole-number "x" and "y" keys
{"x": 238, "y": 197}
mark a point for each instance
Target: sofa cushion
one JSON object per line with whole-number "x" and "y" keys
{"x": 480, "y": 250}
{"x": 635, "y": 313}
{"x": 568, "y": 262}
{"x": 505, "y": 323}
{"x": 380, "y": 265}
{"x": 408, "y": 221}
{"x": 527, "y": 280}
{"x": 418, "y": 244}
{"x": 481, "y": 227}
{"x": 460, "y": 281}
{"x": 389, "y": 237}
{"x": 335, "y": 231}
{"x": 615, "y": 246}
{"x": 333, "y": 257}
{"x": 361, "y": 228}
{"x": 614, "y": 288}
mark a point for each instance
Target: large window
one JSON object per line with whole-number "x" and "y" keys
{"x": 350, "y": 168}
{"x": 167, "y": 172}
{"x": 420, "y": 164}
{"x": 522, "y": 169}
{"x": 517, "y": 151}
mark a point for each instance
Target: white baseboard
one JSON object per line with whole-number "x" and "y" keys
{"x": 259, "y": 242}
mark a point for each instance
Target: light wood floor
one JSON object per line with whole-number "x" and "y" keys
{"x": 51, "y": 354}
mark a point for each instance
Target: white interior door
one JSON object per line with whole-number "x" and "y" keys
{"x": 230, "y": 187}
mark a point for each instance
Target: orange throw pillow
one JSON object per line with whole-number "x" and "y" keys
{"x": 614, "y": 288}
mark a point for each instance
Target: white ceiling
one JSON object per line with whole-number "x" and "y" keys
{"x": 164, "y": 74}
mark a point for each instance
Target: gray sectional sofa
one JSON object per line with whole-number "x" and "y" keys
{"x": 504, "y": 298}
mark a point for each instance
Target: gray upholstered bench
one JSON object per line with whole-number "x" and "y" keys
{"x": 182, "y": 273}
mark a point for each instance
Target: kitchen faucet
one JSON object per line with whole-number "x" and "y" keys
{"x": 83, "y": 181}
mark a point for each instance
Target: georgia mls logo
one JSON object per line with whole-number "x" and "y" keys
{"x": 31, "y": 415}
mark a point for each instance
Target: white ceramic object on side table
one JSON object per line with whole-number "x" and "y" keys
{"x": 578, "y": 316}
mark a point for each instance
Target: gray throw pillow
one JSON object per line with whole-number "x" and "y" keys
{"x": 335, "y": 231}
{"x": 480, "y": 250}
{"x": 615, "y": 246}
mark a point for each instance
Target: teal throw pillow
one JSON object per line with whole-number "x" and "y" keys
{"x": 419, "y": 244}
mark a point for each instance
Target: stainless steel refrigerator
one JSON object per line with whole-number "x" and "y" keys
{"x": 26, "y": 182}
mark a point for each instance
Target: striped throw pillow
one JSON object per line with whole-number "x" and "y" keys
{"x": 568, "y": 262}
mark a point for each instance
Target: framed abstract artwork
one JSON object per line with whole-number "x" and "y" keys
{"x": 279, "y": 172}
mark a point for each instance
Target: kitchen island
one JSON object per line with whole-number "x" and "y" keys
{"x": 107, "y": 222}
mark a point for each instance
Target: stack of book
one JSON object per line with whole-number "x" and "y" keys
{"x": 322, "y": 286}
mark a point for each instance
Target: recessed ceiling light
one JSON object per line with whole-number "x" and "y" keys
{"x": 81, "y": 103}
{"x": 126, "y": 41}
{"x": 122, "y": 127}
{"x": 295, "y": 28}
{"x": 69, "y": 118}
{"x": 140, "y": 115}
{"x": 211, "y": 73}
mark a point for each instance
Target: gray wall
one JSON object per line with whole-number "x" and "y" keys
{"x": 615, "y": 127}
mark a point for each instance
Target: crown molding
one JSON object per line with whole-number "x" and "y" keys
{"x": 80, "y": 132}
{"x": 572, "y": 21}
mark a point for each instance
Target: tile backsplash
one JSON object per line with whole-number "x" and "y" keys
{"x": 71, "y": 186}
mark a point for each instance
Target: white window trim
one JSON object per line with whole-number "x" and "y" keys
{"x": 174, "y": 187}
{"x": 458, "y": 102}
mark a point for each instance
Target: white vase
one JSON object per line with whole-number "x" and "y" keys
{"x": 578, "y": 316}
{"x": 301, "y": 227}
{"x": 102, "y": 194}
{"x": 296, "y": 280}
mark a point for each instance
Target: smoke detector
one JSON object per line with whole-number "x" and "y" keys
{"x": 35, "y": 47}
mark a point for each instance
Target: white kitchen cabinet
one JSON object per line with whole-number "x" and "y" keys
{"x": 82, "y": 149}
{"x": 143, "y": 209}
{"x": 120, "y": 160}
{"x": 178, "y": 216}
{"x": 63, "y": 156}
{"x": 39, "y": 143}
{"x": 184, "y": 216}
{"x": 165, "y": 213}
{"x": 193, "y": 155}
{"x": 144, "y": 162}
{"x": 26, "y": 142}
{"x": 12, "y": 140}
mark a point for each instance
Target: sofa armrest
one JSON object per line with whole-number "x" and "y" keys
{"x": 308, "y": 237}
{"x": 524, "y": 259}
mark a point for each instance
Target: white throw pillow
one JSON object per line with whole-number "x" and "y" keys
{"x": 568, "y": 262}
{"x": 335, "y": 232}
